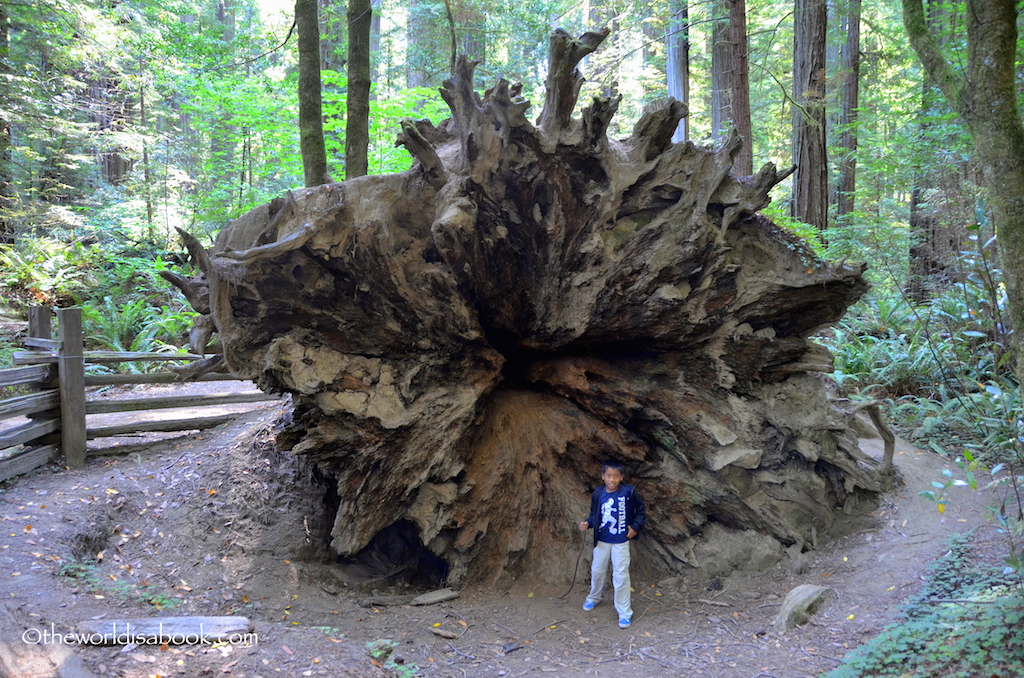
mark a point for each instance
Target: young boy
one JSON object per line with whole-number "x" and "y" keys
{"x": 618, "y": 514}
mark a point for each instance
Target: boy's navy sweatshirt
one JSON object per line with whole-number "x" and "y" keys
{"x": 612, "y": 512}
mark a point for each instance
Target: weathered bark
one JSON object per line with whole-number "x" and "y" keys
{"x": 357, "y": 121}
{"x": 311, "y": 129}
{"x": 744, "y": 163}
{"x": 848, "y": 118}
{"x": 730, "y": 88}
{"x": 677, "y": 60}
{"x": 721, "y": 70}
{"x": 810, "y": 184}
{"x": 468, "y": 340}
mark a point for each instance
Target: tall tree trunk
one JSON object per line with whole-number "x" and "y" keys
{"x": 847, "y": 184}
{"x": 109, "y": 111}
{"x": 721, "y": 70}
{"x": 730, "y": 82}
{"x": 467, "y": 340}
{"x": 311, "y": 128}
{"x": 472, "y": 25}
{"x": 422, "y": 43}
{"x": 357, "y": 122}
{"x": 147, "y": 185}
{"x": 985, "y": 96}
{"x": 740, "y": 82}
{"x": 677, "y": 63}
{"x": 375, "y": 60}
{"x": 6, "y": 142}
{"x": 810, "y": 184}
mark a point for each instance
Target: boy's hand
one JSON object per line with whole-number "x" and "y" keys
{"x": 630, "y": 533}
{"x": 584, "y": 526}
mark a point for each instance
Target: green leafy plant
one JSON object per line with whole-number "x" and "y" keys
{"x": 43, "y": 271}
{"x": 87, "y": 575}
{"x": 119, "y": 326}
{"x": 965, "y": 622}
{"x": 382, "y": 651}
{"x": 1007, "y": 514}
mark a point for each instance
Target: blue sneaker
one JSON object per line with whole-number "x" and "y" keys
{"x": 588, "y": 606}
{"x": 624, "y": 623}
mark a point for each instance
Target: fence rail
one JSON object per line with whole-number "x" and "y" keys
{"x": 58, "y": 404}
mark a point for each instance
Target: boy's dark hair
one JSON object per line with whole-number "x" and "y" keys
{"x": 615, "y": 465}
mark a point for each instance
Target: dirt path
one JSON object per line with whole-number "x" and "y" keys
{"x": 218, "y": 523}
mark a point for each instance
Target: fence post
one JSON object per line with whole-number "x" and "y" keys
{"x": 71, "y": 374}
{"x": 39, "y": 321}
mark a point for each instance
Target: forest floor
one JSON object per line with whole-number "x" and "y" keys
{"x": 219, "y": 523}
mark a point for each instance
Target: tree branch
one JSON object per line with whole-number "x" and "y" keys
{"x": 949, "y": 81}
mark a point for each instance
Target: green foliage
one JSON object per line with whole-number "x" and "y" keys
{"x": 7, "y": 349}
{"x": 1007, "y": 515}
{"x": 944, "y": 364}
{"x": 386, "y": 112}
{"x": 118, "y": 327}
{"x": 382, "y": 650}
{"x": 965, "y": 622}
{"x": 43, "y": 271}
{"x": 86, "y": 574}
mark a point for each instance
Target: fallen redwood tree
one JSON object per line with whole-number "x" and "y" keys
{"x": 466, "y": 341}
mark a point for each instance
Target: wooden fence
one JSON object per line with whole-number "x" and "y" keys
{"x": 53, "y": 370}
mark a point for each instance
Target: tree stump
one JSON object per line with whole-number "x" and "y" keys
{"x": 468, "y": 340}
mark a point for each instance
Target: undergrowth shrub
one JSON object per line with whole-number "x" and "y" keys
{"x": 126, "y": 305}
{"x": 966, "y": 622}
{"x": 43, "y": 271}
{"x": 942, "y": 368}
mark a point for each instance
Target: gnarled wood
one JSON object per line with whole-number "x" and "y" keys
{"x": 466, "y": 341}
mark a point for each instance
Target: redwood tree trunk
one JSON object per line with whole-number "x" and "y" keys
{"x": 357, "y": 121}
{"x": 468, "y": 340}
{"x": 810, "y": 184}
{"x": 741, "y": 86}
{"x": 721, "y": 70}
{"x": 311, "y": 129}
{"x": 677, "y": 60}
{"x": 848, "y": 118}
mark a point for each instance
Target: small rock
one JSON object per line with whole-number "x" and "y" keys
{"x": 800, "y": 605}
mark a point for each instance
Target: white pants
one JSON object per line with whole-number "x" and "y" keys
{"x": 619, "y": 555}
